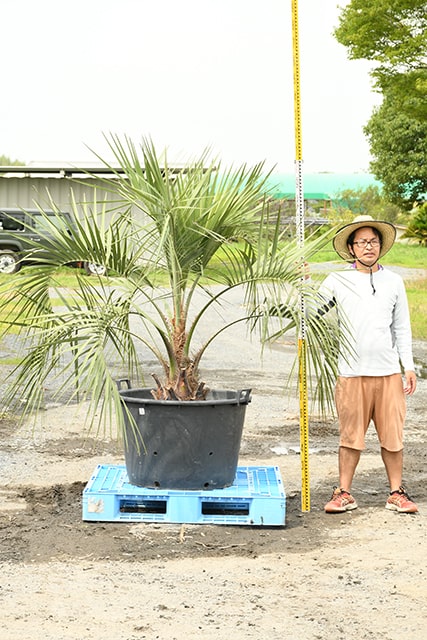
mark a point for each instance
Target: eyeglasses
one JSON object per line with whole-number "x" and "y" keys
{"x": 364, "y": 243}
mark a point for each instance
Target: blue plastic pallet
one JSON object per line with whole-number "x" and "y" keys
{"x": 256, "y": 497}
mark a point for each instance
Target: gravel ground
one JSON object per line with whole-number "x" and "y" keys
{"x": 360, "y": 575}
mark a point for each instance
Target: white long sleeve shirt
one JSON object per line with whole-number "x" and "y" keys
{"x": 378, "y": 325}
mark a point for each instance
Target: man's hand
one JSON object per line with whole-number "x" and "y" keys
{"x": 411, "y": 383}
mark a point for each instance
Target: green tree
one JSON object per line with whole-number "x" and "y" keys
{"x": 417, "y": 227}
{"x": 393, "y": 33}
{"x": 398, "y": 146}
{"x": 369, "y": 201}
{"x": 5, "y": 161}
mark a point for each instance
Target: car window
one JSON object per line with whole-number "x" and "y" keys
{"x": 41, "y": 223}
{"x": 12, "y": 222}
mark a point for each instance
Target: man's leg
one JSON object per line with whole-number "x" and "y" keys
{"x": 393, "y": 462}
{"x": 398, "y": 499}
{"x": 341, "y": 499}
{"x": 348, "y": 459}
{"x": 354, "y": 417}
{"x": 389, "y": 417}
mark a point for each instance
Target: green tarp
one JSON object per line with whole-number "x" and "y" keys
{"x": 319, "y": 186}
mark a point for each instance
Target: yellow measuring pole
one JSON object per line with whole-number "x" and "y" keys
{"x": 299, "y": 206}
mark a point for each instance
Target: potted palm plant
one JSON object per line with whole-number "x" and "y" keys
{"x": 174, "y": 242}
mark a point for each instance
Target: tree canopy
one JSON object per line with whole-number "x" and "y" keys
{"x": 398, "y": 146}
{"x": 5, "y": 161}
{"x": 392, "y": 33}
{"x": 417, "y": 227}
{"x": 370, "y": 200}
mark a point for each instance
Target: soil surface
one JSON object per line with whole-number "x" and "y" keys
{"x": 359, "y": 575}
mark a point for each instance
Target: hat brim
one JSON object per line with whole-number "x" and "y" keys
{"x": 387, "y": 230}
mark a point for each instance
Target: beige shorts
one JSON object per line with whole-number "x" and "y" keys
{"x": 362, "y": 399}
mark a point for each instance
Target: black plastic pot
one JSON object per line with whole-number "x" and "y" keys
{"x": 191, "y": 445}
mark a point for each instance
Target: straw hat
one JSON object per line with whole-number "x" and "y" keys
{"x": 387, "y": 230}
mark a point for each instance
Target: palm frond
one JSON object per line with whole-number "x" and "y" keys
{"x": 201, "y": 228}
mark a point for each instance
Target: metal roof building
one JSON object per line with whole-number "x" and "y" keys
{"x": 23, "y": 186}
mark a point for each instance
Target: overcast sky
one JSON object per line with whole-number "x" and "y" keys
{"x": 188, "y": 73}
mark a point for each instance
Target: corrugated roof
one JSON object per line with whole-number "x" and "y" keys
{"x": 317, "y": 186}
{"x": 64, "y": 171}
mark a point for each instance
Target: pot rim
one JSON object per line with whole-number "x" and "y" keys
{"x": 241, "y": 396}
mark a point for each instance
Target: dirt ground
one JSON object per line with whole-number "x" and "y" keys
{"x": 359, "y": 575}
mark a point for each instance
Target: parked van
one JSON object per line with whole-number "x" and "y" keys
{"x": 20, "y": 230}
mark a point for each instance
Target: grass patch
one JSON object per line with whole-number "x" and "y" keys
{"x": 417, "y": 300}
{"x": 66, "y": 277}
{"x": 406, "y": 255}
{"x": 325, "y": 255}
{"x": 10, "y": 310}
{"x": 401, "y": 255}
{"x": 11, "y": 361}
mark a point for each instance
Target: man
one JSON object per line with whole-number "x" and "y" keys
{"x": 372, "y": 302}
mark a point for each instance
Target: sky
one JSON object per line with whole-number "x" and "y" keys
{"x": 189, "y": 74}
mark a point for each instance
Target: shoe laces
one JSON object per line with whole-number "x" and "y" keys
{"x": 402, "y": 492}
{"x": 339, "y": 491}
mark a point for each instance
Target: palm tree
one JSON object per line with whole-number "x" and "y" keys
{"x": 174, "y": 241}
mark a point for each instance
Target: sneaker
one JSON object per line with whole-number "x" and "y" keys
{"x": 401, "y": 502}
{"x": 341, "y": 501}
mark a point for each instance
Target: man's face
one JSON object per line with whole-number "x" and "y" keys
{"x": 366, "y": 245}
